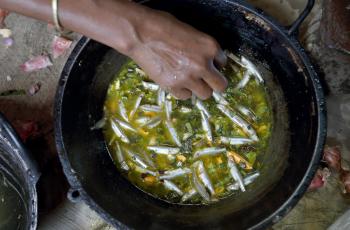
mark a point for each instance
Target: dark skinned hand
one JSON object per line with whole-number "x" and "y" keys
{"x": 181, "y": 59}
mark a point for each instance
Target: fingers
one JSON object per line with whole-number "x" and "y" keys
{"x": 215, "y": 79}
{"x": 200, "y": 88}
{"x": 220, "y": 59}
{"x": 211, "y": 74}
{"x": 182, "y": 94}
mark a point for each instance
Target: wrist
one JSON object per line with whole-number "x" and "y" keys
{"x": 114, "y": 23}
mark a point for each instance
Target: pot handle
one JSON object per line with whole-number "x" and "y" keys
{"x": 27, "y": 159}
{"x": 294, "y": 28}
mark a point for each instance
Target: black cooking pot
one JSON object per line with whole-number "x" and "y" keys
{"x": 18, "y": 177}
{"x": 295, "y": 148}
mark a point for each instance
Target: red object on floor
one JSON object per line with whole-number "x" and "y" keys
{"x": 3, "y": 14}
{"x": 36, "y": 63}
{"x": 26, "y": 129}
{"x": 332, "y": 156}
{"x": 320, "y": 179}
{"x": 59, "y": 46}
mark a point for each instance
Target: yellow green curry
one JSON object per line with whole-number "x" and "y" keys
{"x": 190, "y": 152}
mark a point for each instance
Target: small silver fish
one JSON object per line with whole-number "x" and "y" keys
{"x": 142, "y": 121}
{"x": 148, "y": 160}
{"x": 203, "y": 175}
{"x": 251, "y": 178}
{"x": 172, "y": 187}
{"x": 234, "y": 58}
{"x": 137, "y": 159}
{"x": 173, "y": 132}
{"x": 164, "y": 150}
{"x": 247, "y": 112}
{"x": 206, "y": 127}
{"x": 112, "y": 140}
{"x": 153, "y": 122}
{"x": 145, "y": 171}
{"x": 244, "y": 81}
{"x": 220, "y": 99}
{"x": 122, "y": 111}
{"x": 119, "y": 133}
{"x": 198, "y": 186}
{"x": 117, "y": 84}
{"x": 121, "y": 159}
{"x": 150, "y": 86}
{"x": 239, "y": 122}
{"x": 193, "y": 99}
{"x": 168, "y": 108}
{"x": 236, "y": 175}
{"x": 234, "y": 67}
{"x": 99, "y": 125}
{"x": 244, "y": 62}
{"x": 136, "y": 106}
{"x": 161, "y": 97}
{"x": 175, "y": 173}
{"x": 208, "y": 151}
{"x": 184, "y": 109}
{"x": 252, "y": 69}
{"x": 125, "y": 125}
{"x": 151, "y": 108}
{"x": 247, "y": 181}
{"x": 140, "y": 72}
{"x": 235, "y": 140}
{"x": 188, "y": 195}
{"x": 200, "y": 105}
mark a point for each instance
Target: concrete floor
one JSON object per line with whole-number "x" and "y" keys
{"x": 316, "y": 210}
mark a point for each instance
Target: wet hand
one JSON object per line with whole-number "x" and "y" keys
{"x": 181, "y": 59}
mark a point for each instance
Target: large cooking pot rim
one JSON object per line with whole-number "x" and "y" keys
{"x": 296, "y": 49}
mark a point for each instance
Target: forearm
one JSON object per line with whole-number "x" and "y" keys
{"x": 175, "y": 55}
{"x": 112, "y": 22}
{"x": 39, "y": 9}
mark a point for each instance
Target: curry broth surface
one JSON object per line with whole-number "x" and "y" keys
{"x": 127, "y": 86}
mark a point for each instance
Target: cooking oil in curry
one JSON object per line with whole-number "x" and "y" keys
{"x": 186, "y": 120}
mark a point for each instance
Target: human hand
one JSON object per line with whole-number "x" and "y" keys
{"x": 181, "y": 59}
